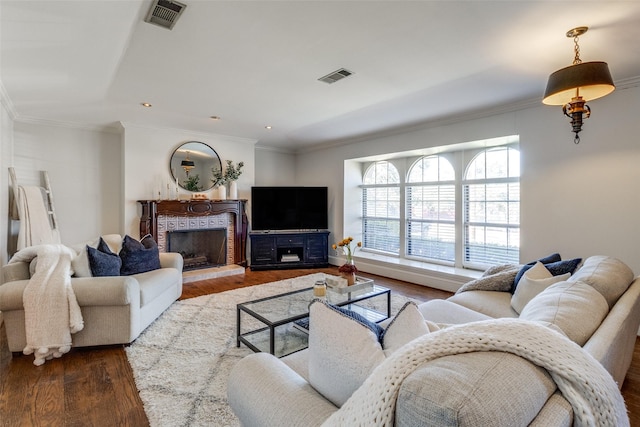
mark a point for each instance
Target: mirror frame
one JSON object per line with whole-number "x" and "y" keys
{"x": 205, "y": 159}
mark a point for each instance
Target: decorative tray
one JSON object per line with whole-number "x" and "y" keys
{"x": 340, "y": 286}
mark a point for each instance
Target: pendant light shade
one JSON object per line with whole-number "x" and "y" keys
{"x": 590, "y": 80}
{"x": 576, "y": 84}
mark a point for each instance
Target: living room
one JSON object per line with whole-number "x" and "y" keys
{"x": 576, "y": 199}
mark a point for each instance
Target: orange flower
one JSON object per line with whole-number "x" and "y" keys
{"x": 345, "y": 244}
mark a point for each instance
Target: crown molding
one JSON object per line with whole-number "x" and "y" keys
{"x": 237, "y": 139}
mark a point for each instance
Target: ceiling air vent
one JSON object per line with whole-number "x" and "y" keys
{"x": 335, "y": 76}
{"x": 164, "y": 13}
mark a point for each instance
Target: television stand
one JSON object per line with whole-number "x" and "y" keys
{"x": 289, "y": 249}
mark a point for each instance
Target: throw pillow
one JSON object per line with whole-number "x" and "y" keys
{"x": 102, "y": 261}
{"x": 545, "y": 260}
{"x": 406, "y": 326}
{"x": 342, "y": 352}
{"x": 555, "y": 268}
{"x": 139, "y": 256}
{"x": 534, "y": 281}
{"x": 80, "y": 263}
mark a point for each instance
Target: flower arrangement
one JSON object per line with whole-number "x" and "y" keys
{"x": 218, "y": 177}
{"x": 232, "y": 173}
{"x": 345, "y": 245}
{"x": 192, "y": 183}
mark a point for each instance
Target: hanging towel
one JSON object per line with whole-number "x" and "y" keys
{"x": 35, "y": 225}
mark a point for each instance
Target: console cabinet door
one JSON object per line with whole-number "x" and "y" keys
{"x": 263, "y": 250}
{"x": 317, "y": 247}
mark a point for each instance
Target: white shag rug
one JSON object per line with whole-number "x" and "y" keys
{"x": 181, "y": 362}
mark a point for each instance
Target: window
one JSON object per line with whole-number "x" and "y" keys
{"x": 492, "y": 208}
{"x": 381, "y": 208}
{"x": 431, "y": 209}
{"x": 458, "y": 208}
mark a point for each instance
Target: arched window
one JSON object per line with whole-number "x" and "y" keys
{"x": 492, "y": 208}
{"x": 381, "y": 208}
{"x": 431, "y": 209}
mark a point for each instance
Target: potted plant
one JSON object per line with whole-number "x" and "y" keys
{"x": 347, "y": 270}
{"x": 219, "y": 182}
{"x": 231, "y": 175}
{"x": 191, "y": 183}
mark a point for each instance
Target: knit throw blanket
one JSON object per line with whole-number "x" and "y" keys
{"x": 51, "y": 312}
{"x": 590, "y": 389}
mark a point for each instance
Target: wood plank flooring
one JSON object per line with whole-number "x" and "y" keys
{"x": 95, "y": 386}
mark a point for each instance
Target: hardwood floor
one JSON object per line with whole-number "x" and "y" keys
{"x": 95, "y": 386}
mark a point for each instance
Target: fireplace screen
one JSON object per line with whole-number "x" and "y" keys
{"x": 199, "y": 248}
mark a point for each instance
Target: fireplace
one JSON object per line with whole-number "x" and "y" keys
{"x": 159, "y": 217}
{"x": 202, "y": 248}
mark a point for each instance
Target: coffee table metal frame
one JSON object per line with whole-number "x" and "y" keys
{"x": 271, "y": 325}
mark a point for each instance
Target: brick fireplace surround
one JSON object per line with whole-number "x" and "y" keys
{"x": 161, "y": 216}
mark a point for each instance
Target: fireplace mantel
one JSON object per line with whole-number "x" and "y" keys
{"x": 190, "y": 208}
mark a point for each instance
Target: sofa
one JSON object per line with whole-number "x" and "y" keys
{"x": 595, "y": 311}
{"x": 115, "y": 309}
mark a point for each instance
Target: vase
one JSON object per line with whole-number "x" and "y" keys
{"x": 233, "y": 190}
{"x": 349, "y": 271}
{"x": 350, "y": 277}
{"x": 222, "y": 192}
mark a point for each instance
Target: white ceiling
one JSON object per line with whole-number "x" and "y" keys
{"x": 256, "y": 63}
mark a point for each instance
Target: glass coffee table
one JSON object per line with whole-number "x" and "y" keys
{"x": 269, "y": 324}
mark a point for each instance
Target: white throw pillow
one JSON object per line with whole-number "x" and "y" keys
{"x": 532, "y": 282}
{"x": 406, "y": 326}
{"x": 342, "y": 352}
{"x": 80, "y": 263}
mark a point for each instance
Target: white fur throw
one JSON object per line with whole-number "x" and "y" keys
{"x": 51, "y": 312}
{"x": 590, "y": 389}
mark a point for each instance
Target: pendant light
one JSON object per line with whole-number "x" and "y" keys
{"x": 576, "y": 84}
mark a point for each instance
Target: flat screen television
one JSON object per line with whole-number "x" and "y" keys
{"x": 289, "y": 208}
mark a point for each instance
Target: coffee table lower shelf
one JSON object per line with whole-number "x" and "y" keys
{"x": 286, "y": 336}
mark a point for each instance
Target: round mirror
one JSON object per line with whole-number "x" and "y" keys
{"x": 192, "y": 165}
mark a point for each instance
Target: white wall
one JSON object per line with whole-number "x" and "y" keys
{"x": 580, "y": 200}
{"x": 275, "y": 167}
{"x": 84, "y": 170}
{"x": 146, "y": 154}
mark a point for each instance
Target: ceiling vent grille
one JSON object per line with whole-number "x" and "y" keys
{"x": 335, "y": 76}
{"x": 164, "y": 13}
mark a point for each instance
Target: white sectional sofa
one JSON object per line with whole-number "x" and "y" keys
{"x": 488, "y": 388}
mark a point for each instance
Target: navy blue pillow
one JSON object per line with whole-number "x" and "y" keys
{"x": 375, "y": 328}
{"x": 555, "y": 268}
{"x": 139, "y": 256}
{"x": 546, "y": 260}
{"x": 102, "y": 261}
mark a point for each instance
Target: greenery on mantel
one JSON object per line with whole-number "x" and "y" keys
{"x": 191, "y": 183}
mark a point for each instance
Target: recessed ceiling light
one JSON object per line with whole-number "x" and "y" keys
{"x": 146, "y": 104}
{"x": 216, "y": 117}
{"x": 268, "y": 127}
